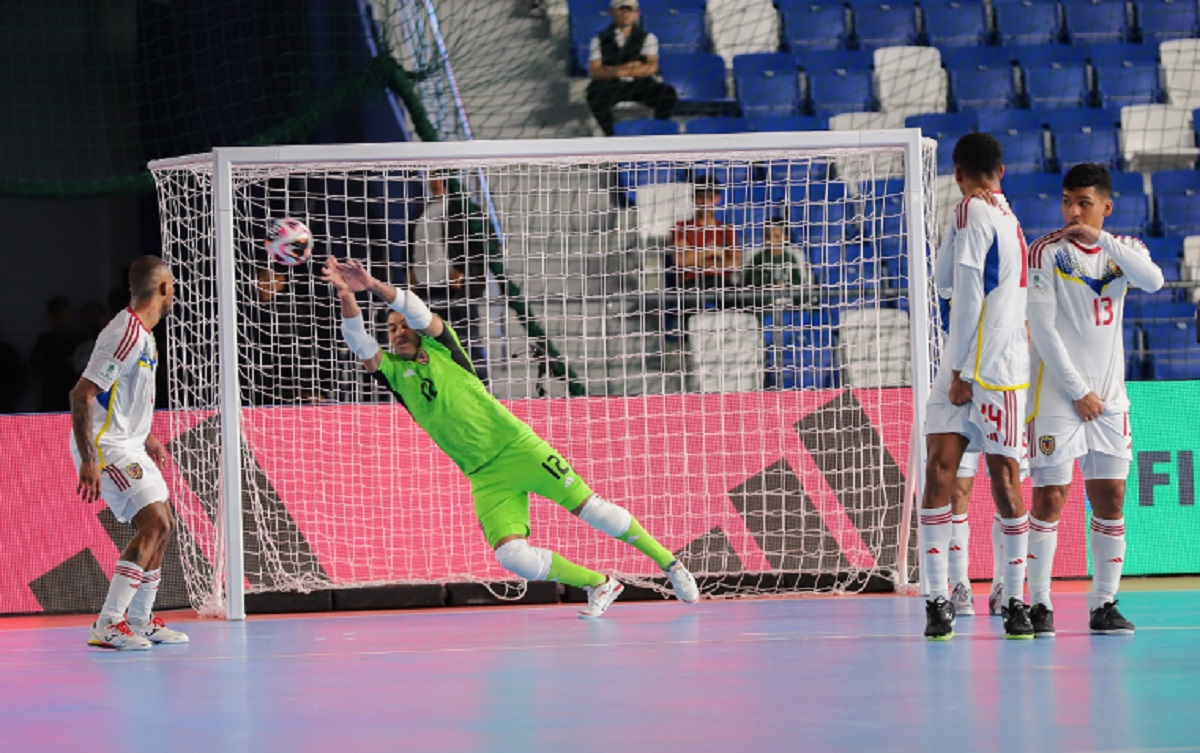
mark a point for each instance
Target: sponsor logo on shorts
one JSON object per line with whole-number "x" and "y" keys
{"x": 134, "y": 470}
{"x": 1046, "y": 444}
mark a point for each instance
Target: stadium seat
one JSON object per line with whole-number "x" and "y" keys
{"x": 961, "y": 58}
{"x": 992, "y": 120}
{"x": 697, "y": 78}
{"x": 1073, "y": 146}
{"x": 823, "y": 61}
{"x": 724, "y": 352}
{"x": 634, "y": 174}
{"x": 797, "y": 173}
{"x": 1127, "y": 83}
{"x": 1130, "y": 215}
{"x": 1067, "y": 119}
{"x": 1180, "y": 61}
{"x": 762, "y": 194}
{"x": 716, "y": 124}
{"x": 1179, "y": 213}
{"x": 884, "y": 24}
{"x": 743, "y": 28}
{"x": 759, "y": 63}
{"x": 865, "y": 121}
{"x": 883, "y": 208}
{"x": 1159, "y": 311}
{"x": 1127, "y": 184}
{"x": 645, "y": 127}
{"x": 588, "y": 7}
{"x": 983, "y": 87}
{"x": 1089, "y": 21}
{"x": 678, "y": 31}
{"x": 955, "y": 23}
{"x": 725, "y": 173}
{"x": 942, "y": 124}
{"x": 1028, "y": 22}
{"x": 815, "y": 26}
{"x": 583, "y": 28}
{"x": 1161, "y": 20}
{"x": 1038, "y": 217}
{"x": 1164, "y": 250}
{"x": 834, "y": 92}
{"x": 1169, "y": 336}
{"x": 1043, "y": 55}
{"x": 1190, "y": 267}
{"x": 1180, "y": 365}
{"x": 910, "y": 80}
{"x": 771, "y": 123}
{"x": 873, "y": 348}
{"x": 1057, "y": 85}
{"x": 770, "y": 93}
{"x": 1033, "y": 186}
{"x": 799, "y": 350}
{"x": 1167, "y": 182}
{"x": 1122, "y": 52}
{"x": 1157, "y": 137}
{"x": 1024, "y": 151}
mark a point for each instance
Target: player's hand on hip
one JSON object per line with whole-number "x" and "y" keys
{"x": 156, "y": 451}
{"x": 960, "y": 391}
{"x": 89, "y": 481}
{"x": 1090, "y": 406}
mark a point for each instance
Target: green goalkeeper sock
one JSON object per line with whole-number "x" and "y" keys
{"x": 637, "y": 537}
{"x": 565, "y": 571}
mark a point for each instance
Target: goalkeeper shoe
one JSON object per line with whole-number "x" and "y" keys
{"x": 600, "y": 598}
{"x": 117, "y": 635}
{"x": 963, "y": 599}
{"x": 939, "y": 619}
{"x": 1042, "y": 618}
{"x": 1016, "y": 620}
{"x": 1106, "y": 620}
{"x": 996, "y": 600}
{"x": 156, "y": 631}
{"x": 684, "y": 584}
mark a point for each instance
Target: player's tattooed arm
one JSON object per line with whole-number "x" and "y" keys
{"x": 81, "y": 423}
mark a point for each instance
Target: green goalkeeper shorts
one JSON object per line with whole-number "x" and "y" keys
{"x": 502, "y": 485}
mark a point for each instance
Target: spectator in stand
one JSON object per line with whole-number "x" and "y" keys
{"x": 53, "y": 356}
{"x": 13, "y": 378}
{"x": 779, "y": 270}
{"x": 704, "y": 250}
{"x": 623, "y": 65}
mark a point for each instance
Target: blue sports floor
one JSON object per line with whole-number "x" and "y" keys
{"x": 787, "y": 675}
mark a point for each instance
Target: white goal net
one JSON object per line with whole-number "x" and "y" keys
{"x": 730, "y": 336}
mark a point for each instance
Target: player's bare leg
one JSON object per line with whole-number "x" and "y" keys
{"x": 141, "y": 610}
{"x": 1107, "y": 539}
{"x": 944, "y": 452}
{"x": 1005, "y": 475}
{"x": 152, "y": 531}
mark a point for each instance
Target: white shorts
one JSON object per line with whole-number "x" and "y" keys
{"x": 1057, "y": 440}
{"x": 969, "y": 466}
{"x": 129, "y": 481}
{"x": 993, "y": 422}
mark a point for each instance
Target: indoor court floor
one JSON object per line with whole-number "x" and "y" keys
{"x": 849, "y": 673}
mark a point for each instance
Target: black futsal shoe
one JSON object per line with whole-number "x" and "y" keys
{"x": 1106, "y": 620}
{"x": 1016, "y": 620}
{"x": 939, "y": 619}
{"x": 1042, "y": 618}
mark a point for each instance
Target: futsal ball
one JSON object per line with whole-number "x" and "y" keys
{"x": 290, "y": 241}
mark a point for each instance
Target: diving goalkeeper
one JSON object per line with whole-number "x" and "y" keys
{"x": 501, "y": 456}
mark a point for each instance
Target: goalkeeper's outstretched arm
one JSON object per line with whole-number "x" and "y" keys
{"x": 404, "y": 302}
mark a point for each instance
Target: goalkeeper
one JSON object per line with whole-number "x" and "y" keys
{"x": 502, "y": 457}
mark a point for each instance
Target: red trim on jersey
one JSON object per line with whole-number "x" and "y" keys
{"x": 962, "y": 212}
{"x": 127, "y": 340}
{"x": 137, "y": 318}
{"x": 1083, "y": 248}
{"x": 1035, "y": 251}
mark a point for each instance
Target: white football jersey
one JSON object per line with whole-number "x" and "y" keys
{"x": 1088, "y": 289}
{"x": 990, "y": 239}
{"x": 122, "y": 365}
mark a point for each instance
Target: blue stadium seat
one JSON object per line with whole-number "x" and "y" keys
{"x": 1127, "y": 184}
{"x": 1038, "y": 217}
{"x": 587, "y": 7}
{"x": 645, "y": 127}
{"x": 774, "y": 123}
{"x": 1179, "y": 213}
{"x": 983, "y": 87}
{"x": 992, "y": 120}
{"x": 678, "y": 31}
{"x": 955, "y": 23}
{"x": 1075, "y": 145}
{"x": 962, "y": 58}
{"x": 1170, "y": 336}
{"x": 1089, "y": 21}
{"x": 583, "y": 28}
{"x": 770, "y": 93}
{"x": 762, "y": 194}
{"x": 798, "y": 173}
{"x": 1160, "y": 310}
{"x": 1180, "y": 365}
{"x": 1159, "y": 20}
{"x": 1035, "y": 186}
{"x": 698, "y": 78}
{"x": 722, "y": 172}
{"x": 822, "y": 61}
{"x": 1057, "y": 85}
{"x": 834, "y": 92}
{"x": 939, "y": 125}
{"x": 1042, "y": 55}
{"x": 636, "y": 174}
{"x": 1067, "y": 119}
{"x": 759, "y": 63}
{"x": 1024, "y": 151}
{"x": 1028, "y": 22}
{"x": 1175, "y": 182}
{"x": 883, "y": 209}
{"x": 1130, "y": 215}
{"x": 1122, "y": 52}
{"x": 716, "y": 124}
{"x": 884, "y": 24}
{"x": 1127, "y": 83}
{"x": 815, "y": 26}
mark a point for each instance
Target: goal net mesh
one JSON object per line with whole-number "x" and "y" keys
{"x": 718, "y": 342}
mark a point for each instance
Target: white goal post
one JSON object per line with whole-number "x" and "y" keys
{"x": 750, "y": 383}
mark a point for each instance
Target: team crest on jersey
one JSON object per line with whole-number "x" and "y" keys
{"x": 422, "y": 357}
{"x": 1046, "y": 444}
{"x": 134, "y": 470}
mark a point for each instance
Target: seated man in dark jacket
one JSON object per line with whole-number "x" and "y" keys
{"x": 623, "y": 65}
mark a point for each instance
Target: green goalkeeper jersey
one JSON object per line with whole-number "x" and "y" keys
{"x": 446, "y": 398}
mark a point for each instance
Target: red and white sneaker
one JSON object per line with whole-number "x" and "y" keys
{"x": 156, "y": 631}
{"x": 600, "y": 598}
{"x": 117, "y": 635}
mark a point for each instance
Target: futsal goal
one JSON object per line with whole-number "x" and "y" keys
{"x": 732, "y": 336}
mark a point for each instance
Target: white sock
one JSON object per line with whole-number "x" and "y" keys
{"x": 1016, "y": 548}
{"x": 997, "y": 553}
{"x": 1043, "y": 541}
{"x": 935, "y": 535}
{"x": 143, "y": 601}
{"x": 960, "y": 537}
{"x": 127, "y": 577}
{"x": 1108, "y": 559}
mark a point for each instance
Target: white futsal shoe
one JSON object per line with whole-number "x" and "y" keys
{"x": 963, "y": 599}
{"x": 684, "y": 584}
{"x": 117, "y": 635}
{"x": 156, "y": 631}
{"x": 600, "y": 598}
